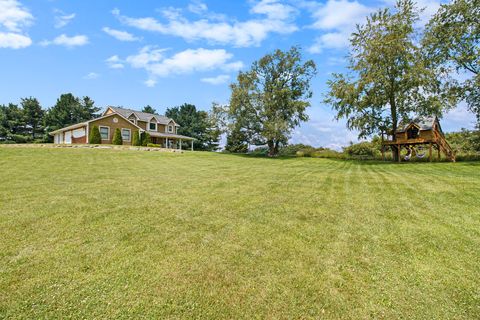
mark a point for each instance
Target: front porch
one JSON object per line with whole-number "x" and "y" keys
{"x": 171, "y": 141}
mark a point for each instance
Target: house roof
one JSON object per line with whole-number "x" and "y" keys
{"x": 81, "y": 124}
{"x": 73, "y": 126}
{"x": 423, "y": 123}
{"x": 142, "y": 116}
{"x": 168, "y": 135}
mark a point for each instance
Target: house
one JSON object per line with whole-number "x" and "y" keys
{"x": 162, "y": 130}
{"x": 417, "y": 133}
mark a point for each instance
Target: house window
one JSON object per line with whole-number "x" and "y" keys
{"x": 132, "y": 120}
{"x": 153, "y": 126}
{"x": 104, "y": 132}
{"x": 170, "y": 128}
{"x": 126, "y": 134}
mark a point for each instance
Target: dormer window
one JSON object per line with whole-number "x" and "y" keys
{"x": 170, "y": 128}
{"x": 152, "y": 126}
{"x": 413, "y": 132}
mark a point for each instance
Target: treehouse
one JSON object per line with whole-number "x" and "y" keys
{"x": 416, "y": 137}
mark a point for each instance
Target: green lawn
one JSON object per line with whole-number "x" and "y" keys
{"x": 87, "y": 233}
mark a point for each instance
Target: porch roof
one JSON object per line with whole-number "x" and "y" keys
{"x": 169, "y": 135}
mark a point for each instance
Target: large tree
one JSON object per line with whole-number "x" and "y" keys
{"x": 33, "y": 115}
{"x": 149, "y": 109}
{"x": 269, "y": 100}
{"x": 453, "y": 38}
{"x": 13, "y": 126}
{"x": 197, "y": 124}
{"x": 389, "y": 78}
{"x": 69, "y": 110}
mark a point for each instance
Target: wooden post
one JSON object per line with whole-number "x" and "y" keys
{"x": 192, "y": 145}
{"x": 398, "y": 153}
{"x": 430, "y": 152}
{"x": 180, "y": 144}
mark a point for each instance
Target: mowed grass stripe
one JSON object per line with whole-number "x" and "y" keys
{"x": 121, "y": 234}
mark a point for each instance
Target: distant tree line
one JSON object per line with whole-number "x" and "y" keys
{"x": 29, "y": 122}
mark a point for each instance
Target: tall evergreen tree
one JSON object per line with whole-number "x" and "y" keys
{"x": 197, "y": 124}
{"x": 149, "y": 109}
{"x": 69, "y": 110}
{"x": 13, "y": 126}
{"x": 33, "y": 114}
{"x": 236, "y": 140}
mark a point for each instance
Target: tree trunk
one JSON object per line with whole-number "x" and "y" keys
{"x": 393, "y": 112}
{"x": 272, "y": 148}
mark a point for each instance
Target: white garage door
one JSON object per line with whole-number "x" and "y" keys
{"x": 68, "y": 137}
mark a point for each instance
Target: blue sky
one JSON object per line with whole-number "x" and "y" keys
{"x": 165, "y": 53}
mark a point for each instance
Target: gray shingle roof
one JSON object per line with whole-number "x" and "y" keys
{"x": 142, "y": 116}
{"x": 424, "y": 123}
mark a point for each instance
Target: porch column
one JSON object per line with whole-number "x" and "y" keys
{"x": 180, "y": 144}
{"x": 192, "y": 144}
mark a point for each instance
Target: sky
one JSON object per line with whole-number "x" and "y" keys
{"x": 166, "y": 53}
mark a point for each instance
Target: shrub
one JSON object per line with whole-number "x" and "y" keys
{"x": 94, "y": 137}
{"x": 328, "y": 153}
{"x": 292, "y": 149}
{"x": 154, "y": 145}
{"x": 117, "y": 137}
{"x": 19, "y": 138}
{"x": 362, "y": 150}
{"x": 145, "y": 139}
{"x": 136, "y": 139}
{"x": 260, "y": 151}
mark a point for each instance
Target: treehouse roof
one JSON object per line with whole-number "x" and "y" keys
{"x": 423, "y": 123}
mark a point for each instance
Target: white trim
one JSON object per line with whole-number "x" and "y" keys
{"x": 170, "y": 127}
{"x": 130, "y": 134}
{"x": 108, "y": 138}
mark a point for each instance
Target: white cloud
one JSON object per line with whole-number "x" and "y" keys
{"x": 146, "y": 56}
{"x": 120, "y": 35}
{"x": 64, "y": 40}
{"x": 197, "y": 7}
{"x": 154, "y": 61}
{"x": 274, "y": 10}
{"x": 337, "y": 18}
{"x": 14, "y": 40}
{"x": 92, "y": 76}
{"x": 459, "y": 117}
{"x": 14, "y": 17}
{"x": 150, "y": 83}
{"x": 220, "y": 79}
{"x": 62, "y": 19}
{"x": 114, "y": 62}
{"x": 277, "y": 18}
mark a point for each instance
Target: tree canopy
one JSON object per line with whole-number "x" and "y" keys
{"x": 69, "y": 110}
{"x": 149, "y": 109}
{"x": 453, "y": 38}
{"x": 389, "y": 77}
{"x": 271, "y": 98}
{"x": 197, "y": 124}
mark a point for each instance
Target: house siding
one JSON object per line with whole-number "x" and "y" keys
{"x": 109, "y": 122}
